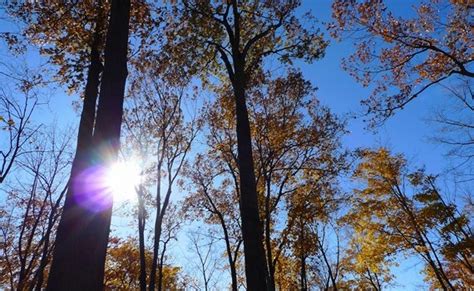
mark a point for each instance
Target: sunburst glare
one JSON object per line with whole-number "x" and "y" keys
{"x": 122, "y": 178}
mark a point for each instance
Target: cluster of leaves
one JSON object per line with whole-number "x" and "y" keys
{"x": 202, "y": 37}
{"x": 401, "y": 211}
{"x": 406, "y": 54}
{"x": 295, "y": 141}
{"x": 65, "y": 32}
{"x": 122, "y": 271}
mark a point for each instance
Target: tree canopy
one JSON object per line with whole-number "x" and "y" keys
{"x": 207, "y": 145}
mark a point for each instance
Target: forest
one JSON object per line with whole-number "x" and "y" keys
{"x": 236, "y": 145}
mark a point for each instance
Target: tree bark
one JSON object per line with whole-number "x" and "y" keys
{"x": 141, "y": 235}
{"x": 256, "y": 270}
{"x": 233, "y": 269}
{"x": 255, "y": 263}
{"x": 267, "y": 229}
{"x": 303, "y": 279}
{"x": 161, "y": 266}
{"x": 158, "y": 227}
{"x": 82, "y": 237}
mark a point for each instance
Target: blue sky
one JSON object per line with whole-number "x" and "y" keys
{"x": 407, "y": 132}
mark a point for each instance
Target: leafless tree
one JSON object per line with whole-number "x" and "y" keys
{"x": 204, "y": 248}
{"x": 455, "y": 121}
{"x": 31, "y": 211}
{"x": 16, "y": 109}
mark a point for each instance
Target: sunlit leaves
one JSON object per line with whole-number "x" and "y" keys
{"x": 404, "y": 56}
{"x": 398, "y": 211}
{"x": 65, "y": 31}
{"x": 122, "y": 269}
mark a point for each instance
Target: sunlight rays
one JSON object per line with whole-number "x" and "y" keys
{"x": 122, "y": 178}
{"x": 97, "y": 187}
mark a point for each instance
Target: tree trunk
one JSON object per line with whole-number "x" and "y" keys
{"x": 81, "y": 244}
{"x": 303, "y": 279}
{"x": 268, "y": 243}
{"x": 161, "y": 265}
{"x": 156, "y": 247}
{"x": 255, "y": 263}
{"x": 141, "y": 235}
{"x": 157, "y": 230}
{"x": 233, "y": 270}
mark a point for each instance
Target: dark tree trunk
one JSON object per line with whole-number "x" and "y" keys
{"x": 256, "y": 270}
{"x": 156, "y": 247}
{"x": 82, "y": 237}
{"x": 160, "y": 266}
{"x": 141, "y": 235}
{"x": 303, "y": 279}
{"x": 303, "y": 276}
{"x": 255, "y": 263}
{"x": 268, "y": 243}
{"x": 157, "y": 230}
{"x": 233, "y": 269}
{"x": 155, "y": 266}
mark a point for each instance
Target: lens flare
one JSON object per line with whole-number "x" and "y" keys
{"x": 97, "y": 187}
{"x": 121, "y": 179}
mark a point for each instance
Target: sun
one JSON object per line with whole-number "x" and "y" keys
{"x": 122, "y": 178}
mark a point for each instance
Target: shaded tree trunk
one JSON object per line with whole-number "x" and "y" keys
{"x": 232, "y": 260}
{"x": 161, "y": 265}
{"x": 303, "y": 277}
{"x": 256, "y": 270}
{"x": 267, "y": 229}
{"x": 141, "y": 239}
{"x": 158, "y": 228}
{"x": 255, "y": 263}
{"x": 81, "y": 244}
{"x": 156, "y": 246}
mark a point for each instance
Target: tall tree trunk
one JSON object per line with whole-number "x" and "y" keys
{"x": 268, "y": 243}
{"x": 157, "y": 230}
{"x": 81, "y": 244}
{"x": 141, "y": 235}
{"x": 256, "y": 270}
{"x": 303, "y": 279}
{"x": 161, "y": 266}
{"x": 255, "y": 263}
{"x": 233, "y": 269}
{"x": 156, "y": 247}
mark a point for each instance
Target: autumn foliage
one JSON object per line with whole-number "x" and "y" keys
{"x": 239, "y": 173}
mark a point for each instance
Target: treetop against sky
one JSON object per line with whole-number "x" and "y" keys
{"x": 359, "y": 136}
